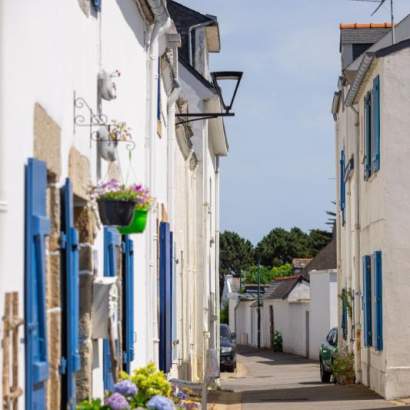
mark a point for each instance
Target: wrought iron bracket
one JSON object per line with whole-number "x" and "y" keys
{"x": 84, "y": 116}
{"x": 191, "y": 117}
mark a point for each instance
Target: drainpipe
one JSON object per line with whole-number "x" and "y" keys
{"x": 190, "y": 30}
{"x": 217, "y": 232}
{"x": 357, "y": 293}
{"x": 162, "y": 22}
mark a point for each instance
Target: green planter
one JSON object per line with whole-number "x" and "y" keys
{"x": 137, "y": 224}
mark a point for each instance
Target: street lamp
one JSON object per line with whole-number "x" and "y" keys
{"x": 217, "y": 78}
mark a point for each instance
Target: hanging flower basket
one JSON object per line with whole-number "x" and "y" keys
{"x": 140, "y": 215}
{"x": 114, "y": 212}
{"x": 116, "y": 203}
{"x": 137, "y": 224}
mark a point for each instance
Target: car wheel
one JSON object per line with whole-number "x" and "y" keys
{"x": 324, "y": 374}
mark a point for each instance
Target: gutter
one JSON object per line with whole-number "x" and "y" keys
{"x": 357, "y": 82}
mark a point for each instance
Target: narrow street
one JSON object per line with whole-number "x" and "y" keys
{"x": 266, "y": 380}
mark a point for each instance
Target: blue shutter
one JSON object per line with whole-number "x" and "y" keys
{"x": 128, "y": 302}
{"x": 174, "y": 304}
{"x": 70, "y": 288}
{"x": 367, "y": 301}
{"x": 37, "y": 226}
{"x": 342, "y": 185}
{"x": 367, "y": 135}
{"x": 165, "y": 325}
{"x": 376, "y": 124}
{"x": 378, "y": 295}
{"x": 97, "y": 4}
{"x": 111, "y": 242}
{"x": 159, "y": 91}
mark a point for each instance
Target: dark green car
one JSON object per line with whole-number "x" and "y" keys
{"x": 326, "y": 354}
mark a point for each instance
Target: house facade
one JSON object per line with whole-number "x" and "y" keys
{"x": 92, "y": 301}
{"x": 370, "y": 108}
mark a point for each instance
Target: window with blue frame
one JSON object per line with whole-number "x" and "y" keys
{"x": 373, "y": 300}
{"x": 372, "y": 130}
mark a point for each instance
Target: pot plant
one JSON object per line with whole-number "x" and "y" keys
{"x": 116, "y": 202}
{"x": 108, "y": 138}
{"x": 140, "y": 215}
{"x": 343, "y": 367}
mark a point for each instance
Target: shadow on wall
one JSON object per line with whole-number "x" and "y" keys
{"x": 130, "y": 11}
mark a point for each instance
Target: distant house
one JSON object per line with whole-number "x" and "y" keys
{"x": 286, "y": 309}
{"x": 299, "y": 264}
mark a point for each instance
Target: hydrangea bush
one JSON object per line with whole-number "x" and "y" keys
{"x": 145, "y": 388}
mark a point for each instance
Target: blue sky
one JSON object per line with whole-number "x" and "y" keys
{"x": 281, "y": 168}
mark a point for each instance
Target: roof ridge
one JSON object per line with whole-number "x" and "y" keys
{"x": 344, "y": 26}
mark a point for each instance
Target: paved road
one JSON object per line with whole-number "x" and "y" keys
{"x": 280, "y": 381}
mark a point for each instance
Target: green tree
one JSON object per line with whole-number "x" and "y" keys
{"x": 236, "y": 254}
{"x": 318, "y": 239}
{"x": 282, "y": 271}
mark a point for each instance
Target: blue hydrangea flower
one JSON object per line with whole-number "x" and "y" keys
{"x": 126, "y": 388}
{"x": 181, "y": 395}
{"x": 117, "y": 402}
{"x": 160, "y": 403}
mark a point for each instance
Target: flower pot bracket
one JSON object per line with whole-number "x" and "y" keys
{"x": 84, "y": 116}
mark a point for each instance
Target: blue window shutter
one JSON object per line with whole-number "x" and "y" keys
{"x": 112, "y": 241}
{"x": 165, "y": 308}
{"x": 367, "y": 135}
{"x": 367, "y": 301}
{"x": 378, "y": 295}
{"x": 70, "y": 286}
{"x": 174, "y": 295}
{"x": 97, "y": 4}
{"x": 342, "y": 184}
{"x": 376, "y": 124}
{"x": 128, "y": 303}
{"x": 37, "y": 226}
{"x": 159, "y": 91}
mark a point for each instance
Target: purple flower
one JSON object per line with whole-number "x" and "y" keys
{"x": 181, "y": 395}
{"x": 117, "y": 402}
{"x": 126, "y": 388}
{"x": 160, "y": 403}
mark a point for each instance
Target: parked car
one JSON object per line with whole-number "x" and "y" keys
{"x": 228, "y": 349}
{"x": 326, "y": 355}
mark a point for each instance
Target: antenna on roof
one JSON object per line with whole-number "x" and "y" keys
{"x": 381, "y": 2}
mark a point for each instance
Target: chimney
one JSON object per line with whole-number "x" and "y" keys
{"x": 356, "y": 38}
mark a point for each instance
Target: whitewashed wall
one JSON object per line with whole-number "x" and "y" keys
{"x": 323, "y": 308}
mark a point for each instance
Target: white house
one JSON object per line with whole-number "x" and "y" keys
{"x": 286, "y": 310}
{"x": 371, "y": 108}
{"x": 57, "y": 65}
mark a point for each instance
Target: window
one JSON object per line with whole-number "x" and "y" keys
{"x": 373, "y": 301}
{"x": 372, "y": 130}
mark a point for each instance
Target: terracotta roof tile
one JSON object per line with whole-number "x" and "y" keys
{"x": 344, "y": 26}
